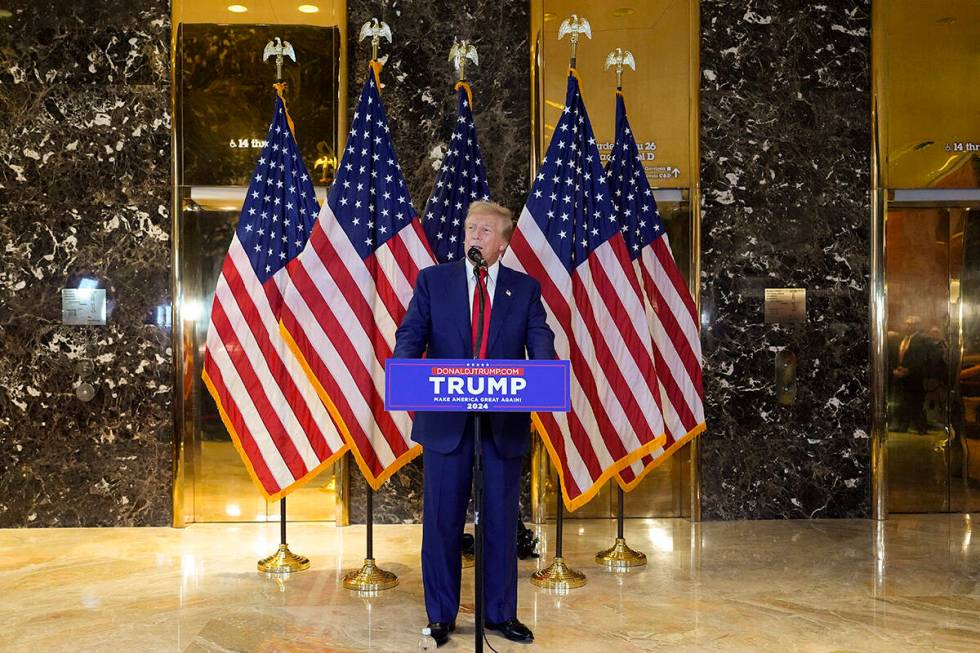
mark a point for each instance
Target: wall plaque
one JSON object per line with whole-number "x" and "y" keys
{"x": 785, "y": 305}
{"x": 83, "y": 306}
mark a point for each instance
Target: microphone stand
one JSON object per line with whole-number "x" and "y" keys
{"x": 478, "y": 480}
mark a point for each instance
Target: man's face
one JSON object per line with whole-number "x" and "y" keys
{"x": 485, "y": 232}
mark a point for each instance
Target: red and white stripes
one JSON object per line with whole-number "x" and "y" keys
{"x": 269, "y": 406}
{"x": 599, "y": 318}
{"x": 673, "y": 320}
{"x": 341, "y": 313}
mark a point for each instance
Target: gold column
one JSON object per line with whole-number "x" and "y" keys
{"x": 180, "y": 516}
{"x": 341, "y": 472}
{"x": 187, "y": 458}
{"x": 688, "y": 499}
{"x": 879, "y": 307}
{"x": 540, "y": 466}
{"x": 695, "y": 203}
{"x": 539, "y": 455}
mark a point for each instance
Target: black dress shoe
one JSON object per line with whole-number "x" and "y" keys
{"x": 513, "y": 630}
{"x": 440, "y": 631}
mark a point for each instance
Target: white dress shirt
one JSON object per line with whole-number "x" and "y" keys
{"x": 471, "y": 283}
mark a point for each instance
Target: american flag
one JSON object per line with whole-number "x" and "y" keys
{"x": 462, "y": 179}
{"x": 351, "y": 287}
{"x": 568, "y": 238}
{"x": 671, "y": 311}
{"x": 277, "y": 421}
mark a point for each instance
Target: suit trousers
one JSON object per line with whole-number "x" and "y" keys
{"x": 448, "y": 481}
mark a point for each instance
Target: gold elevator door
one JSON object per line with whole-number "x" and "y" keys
{"x": 662, "y": 95}
{"x": 223, "y": 100}
{"x": 932, "y": 273}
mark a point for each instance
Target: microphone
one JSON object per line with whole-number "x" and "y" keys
{"x": 476, "y": 256}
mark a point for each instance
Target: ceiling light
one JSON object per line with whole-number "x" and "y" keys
{"x": 623, "y": 11}
{"x": 237, "y": 9}
{"x": 308, "y": 9}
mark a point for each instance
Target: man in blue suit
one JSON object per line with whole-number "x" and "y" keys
{"x": 442, "y": 322}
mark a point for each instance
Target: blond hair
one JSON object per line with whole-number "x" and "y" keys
{"x": 483, "y": 206}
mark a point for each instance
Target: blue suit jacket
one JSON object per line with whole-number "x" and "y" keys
{"x": 438, "y": 325}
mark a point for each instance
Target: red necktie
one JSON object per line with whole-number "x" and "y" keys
{"x": 481, "y": 287}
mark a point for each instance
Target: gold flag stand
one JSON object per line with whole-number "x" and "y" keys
{"x": 620, "y": 556}
{"x": 558, "y": 576}
{"x": 370, "y": 577}
{"x": 283, "y": 561}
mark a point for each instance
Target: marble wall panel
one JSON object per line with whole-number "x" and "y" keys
{"x": 85, "y": 192}
{"x": 421, "y": 109}
{"x": 785, "y": 163}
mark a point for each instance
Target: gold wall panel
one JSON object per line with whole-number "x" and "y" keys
{"x": 927, "y": 58}
{"x": 659, "y": 96}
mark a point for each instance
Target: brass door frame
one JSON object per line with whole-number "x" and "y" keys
{"x": 878, "y": 306}
{"x": 180, "y": 516}
{"x": 882, "y": 201}
{"x": 695, "y": 203}
{"x": 540, "y": 463}
{"x": 182, "y": 476}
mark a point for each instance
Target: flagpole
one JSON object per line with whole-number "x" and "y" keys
{"x": 558, "y": 576}
{"x": 283, "y": 561}
{"x": 619, "y": 556}
{"x": 371, "y": 578}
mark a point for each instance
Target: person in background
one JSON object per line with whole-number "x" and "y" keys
{"x": 914, "y": 354}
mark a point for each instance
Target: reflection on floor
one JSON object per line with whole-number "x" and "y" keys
{"x": 225, "y": 492}
{"x": 917, "y": 472}
{"x": 928, "y": 472}
{"x": 740, "y": 586}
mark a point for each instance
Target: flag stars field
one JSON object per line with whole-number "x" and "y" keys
{"x": 462, "y": 179}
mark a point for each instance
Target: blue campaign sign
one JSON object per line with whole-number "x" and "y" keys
{"x": 477, "y": 385}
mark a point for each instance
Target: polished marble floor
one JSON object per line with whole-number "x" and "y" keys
{"x": 744, "y": 586}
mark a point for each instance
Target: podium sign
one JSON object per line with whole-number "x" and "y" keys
{"x": 477, "y": 385}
